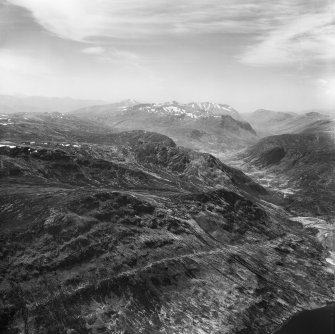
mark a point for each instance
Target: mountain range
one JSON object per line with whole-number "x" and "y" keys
{"x": 208, "y": 127}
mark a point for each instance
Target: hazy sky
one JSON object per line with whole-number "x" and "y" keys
{"x": 247, "y": 53}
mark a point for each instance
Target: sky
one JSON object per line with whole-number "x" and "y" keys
{"x": 249, "y": 54}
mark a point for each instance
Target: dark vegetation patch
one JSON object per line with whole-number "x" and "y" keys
{"x": 273, "y": 156}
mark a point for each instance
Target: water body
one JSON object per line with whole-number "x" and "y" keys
{"x": 318, "y": 321}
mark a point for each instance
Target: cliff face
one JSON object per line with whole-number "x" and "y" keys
{"x": 129, "y": 233}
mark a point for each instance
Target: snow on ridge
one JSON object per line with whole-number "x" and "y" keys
{"x": 10, "y": 146}
{"x": 192, "y": 109}
{"x": 213, "y": 108}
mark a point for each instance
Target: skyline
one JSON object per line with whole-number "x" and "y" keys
{"x": 249, "y": 55}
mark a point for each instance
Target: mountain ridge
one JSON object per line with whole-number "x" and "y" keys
{"x": 269, "y": 122}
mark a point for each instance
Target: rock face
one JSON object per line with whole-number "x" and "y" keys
{"x": 206, "y": 127}
{"x": 129, "y": 233}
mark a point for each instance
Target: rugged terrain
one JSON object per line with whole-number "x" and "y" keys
{"x": 299, "y": 168}
{"x": 300, "y": 165}
{"x": 105, "y": 232}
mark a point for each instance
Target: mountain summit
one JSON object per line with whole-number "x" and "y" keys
{"x": 192, "y": 110}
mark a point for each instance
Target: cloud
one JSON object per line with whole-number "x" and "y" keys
{"x": 23, "y": 64}
{"x": 28, "y": 73}
{"x": 87, "y": 20}
{"x": 279, "y": 32}
{"x": 327, "y": 86}
{"x": 111, "y": 53}
{"x": 114, "y": 57}
{"x": 94, "y": 50}
{"x": 306, "y": 38}
{"x": 31, "y": 74}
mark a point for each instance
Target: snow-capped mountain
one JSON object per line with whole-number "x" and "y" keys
{"x": 202, "y": 126}
{"x": 214, "y": 109}
{"x": 192, "y": 110}
{"x": 166, "y": 109}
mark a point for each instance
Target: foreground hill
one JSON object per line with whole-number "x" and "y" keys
{"x": 129, "y": 233}
{"x": 268, "y": 122}
{"x": 204, "y": 126}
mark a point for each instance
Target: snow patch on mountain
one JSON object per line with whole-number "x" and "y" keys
{"x": 192, "y": 110}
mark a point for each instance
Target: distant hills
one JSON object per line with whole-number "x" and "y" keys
{"x": 12, "y": 104}
{"x": 203, "y": 126}
{"x": 269, "y": 122}
{"x": 193, "y": 109}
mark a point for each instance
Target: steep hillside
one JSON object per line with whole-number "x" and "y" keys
{"x": 215, "y": 128}
{"x": 127, "y": 232}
